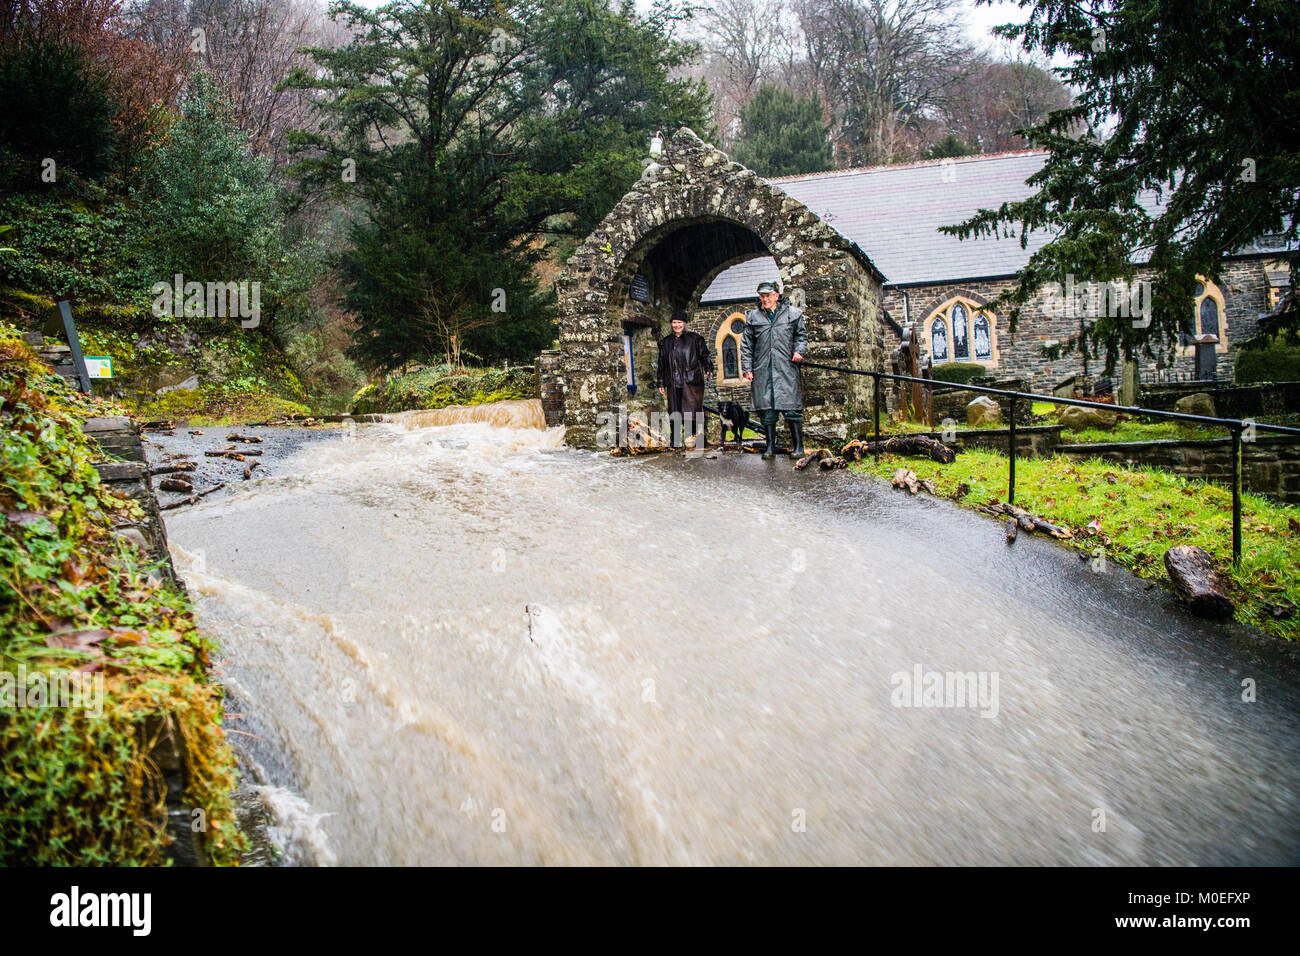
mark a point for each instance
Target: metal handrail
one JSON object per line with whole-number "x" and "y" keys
{"x": 1234, "y": 425}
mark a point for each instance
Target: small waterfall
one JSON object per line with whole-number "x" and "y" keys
{"x": 519, "y": 413}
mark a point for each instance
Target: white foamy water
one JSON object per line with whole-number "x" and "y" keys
{"x": 463, "y": 643}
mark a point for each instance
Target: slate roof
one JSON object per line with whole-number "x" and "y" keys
{"x": 893, "y": 213}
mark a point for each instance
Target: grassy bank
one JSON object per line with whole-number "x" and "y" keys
{"x": 443, "y": 385}
{"x": 77, "y": 783}
{"x": 1143, "y": 512}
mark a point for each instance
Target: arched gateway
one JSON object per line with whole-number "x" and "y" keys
{"x": 694, "y": 215}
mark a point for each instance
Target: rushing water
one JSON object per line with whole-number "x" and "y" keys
{"x": 465, "y": 643}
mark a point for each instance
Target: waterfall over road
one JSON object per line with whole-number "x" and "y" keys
{"x": 465, "y": 643}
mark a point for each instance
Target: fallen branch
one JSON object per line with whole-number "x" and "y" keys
{"x": 906, "y": 478}
{"x": 234, "y": 436}
{"x": 902, "y": 445}
{"x": 1030, "y": 522}
{"x": 175, "y": 484}
{"x": 806, "y": 460}
{"x": 171, "y": 469}
{"x": 192, "y": 499}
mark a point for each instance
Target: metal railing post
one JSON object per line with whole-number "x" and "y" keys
{"x": 1236, "y": 495}
{"x": 875, "y": 405}
{"x": 1011, "y": 454}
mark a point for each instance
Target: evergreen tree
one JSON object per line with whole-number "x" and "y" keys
{"x": 782, "y": 134}
{"x": 465, "y": 132}
{"x": 1193, "y": 102}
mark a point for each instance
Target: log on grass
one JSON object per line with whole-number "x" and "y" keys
{"x": 1195, "y": 580}
{"x": 914, "y": 445}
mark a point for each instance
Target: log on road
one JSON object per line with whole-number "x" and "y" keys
{"x": 171, "y": 469}
{"x": 811, "y": 457}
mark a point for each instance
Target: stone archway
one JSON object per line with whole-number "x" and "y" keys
{"x": 692, "y": 216}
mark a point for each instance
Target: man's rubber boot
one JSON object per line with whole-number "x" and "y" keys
{"x": 769, "y": 433}
{"x": 796, "y": 436}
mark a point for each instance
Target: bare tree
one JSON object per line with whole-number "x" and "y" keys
{"x": 743, "y": 40}
{"x": 887, "y": 68}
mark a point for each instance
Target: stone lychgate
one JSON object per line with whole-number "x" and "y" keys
{"x": 694, "y": 214}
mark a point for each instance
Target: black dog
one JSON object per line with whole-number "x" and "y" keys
{"x": 735, "y": 418}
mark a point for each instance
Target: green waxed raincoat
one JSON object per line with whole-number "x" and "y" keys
{"x": 766, "y": 348}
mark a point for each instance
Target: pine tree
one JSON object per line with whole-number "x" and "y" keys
{"x": 782, "y": 134}
{"x": 1193, "y": 102}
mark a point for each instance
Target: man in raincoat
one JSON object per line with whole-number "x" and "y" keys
{"x": 770, "y": 349}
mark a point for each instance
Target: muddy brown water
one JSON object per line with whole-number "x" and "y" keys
{"x": 455, "y": 641}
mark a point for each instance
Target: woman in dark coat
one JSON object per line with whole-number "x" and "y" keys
{"x": 683, "y": 368}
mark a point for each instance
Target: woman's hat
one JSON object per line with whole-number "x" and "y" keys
{"x": 680, "y": 316}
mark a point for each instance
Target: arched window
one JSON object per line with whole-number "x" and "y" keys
{"x": 727, "y": 350}
{"x": 939, "y": 340}
{"x": 960, "y": 333}
{"x": 981, "y": 338}
{"x": 962, "y": 330}
{"x": 1209, "y": 317}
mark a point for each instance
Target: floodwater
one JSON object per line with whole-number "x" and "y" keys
{"x": 464, "y": 643}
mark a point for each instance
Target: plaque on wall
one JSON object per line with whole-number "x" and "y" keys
{"x": 640, "y": 291}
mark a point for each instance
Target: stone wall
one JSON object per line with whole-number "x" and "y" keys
{"x": 1033, "y": 441}
{"x": 125, "y": 470}
{"x": 1230, "y": 401}
{"x": 952, "y": 404}
{"x": 1270, "y": 464}
{"x": 549, "y": 389}
{"x": 1243, "y": 284}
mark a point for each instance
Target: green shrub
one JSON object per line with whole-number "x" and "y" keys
{"x": 442, "y": 385}
{"x": 78, "y": 784}
{"x": 959, "y": 372}
{"x": 1275, "y": 362}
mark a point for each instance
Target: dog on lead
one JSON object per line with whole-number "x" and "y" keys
{"x": 734, "y": 418}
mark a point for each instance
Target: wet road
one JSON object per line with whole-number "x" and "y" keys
{"x": 464, "y": 644}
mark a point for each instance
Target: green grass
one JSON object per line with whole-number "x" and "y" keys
{"x": 442, "y": 385}
{"x": 77, "y": 783}
{"x": 1143, "y": 513}
{"x": 1142, "y": 431}
{"x": 216, "y": 406}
